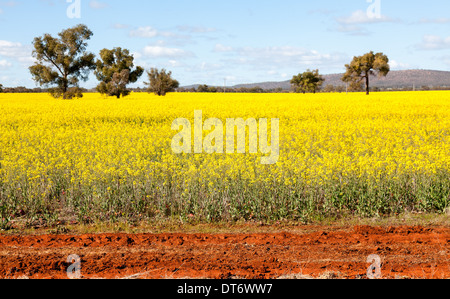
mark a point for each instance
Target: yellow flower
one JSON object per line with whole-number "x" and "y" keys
{"x": 87, "y": 144}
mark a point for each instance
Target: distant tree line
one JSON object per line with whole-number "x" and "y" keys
{"x": 220, "y": 89}
{"x": 23, "y": 89}
{"x": 326, "y": 89}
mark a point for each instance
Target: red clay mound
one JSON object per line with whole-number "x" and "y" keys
{"x": 412, "y": 252}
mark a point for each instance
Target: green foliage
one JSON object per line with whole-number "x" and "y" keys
{"x": 142, "y": 199}
{"x": 63, "y": 61}
{"x": 309, "y": 81}
{"x": 355, "y": 86}
{"x": 203, "y": 88}
{"x": 115, "y": 71}
{"x": 1, "y": 88}
{"x": 73, "y": 92}
{"x": 161, "y": 82}
{"x": 5, "y": 217}
{"x": 362, "y": 67}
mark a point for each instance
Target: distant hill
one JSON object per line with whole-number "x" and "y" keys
{"x": 395, "y": 79}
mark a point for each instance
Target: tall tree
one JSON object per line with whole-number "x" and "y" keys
{"x": 161, "y": 82}
{"x": 63, "y": 61}
{"x": 362, "y": 67}
{"x": 115, "y": 72}
{"x": 1, "y": 88}
{"x": 309, "y": 81}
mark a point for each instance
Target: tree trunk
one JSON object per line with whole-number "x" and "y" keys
{"x": 65, "y": 87}
{"x": 367, "y": 84}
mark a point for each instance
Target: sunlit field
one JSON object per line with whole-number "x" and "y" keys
{"x": 110, "y": 160}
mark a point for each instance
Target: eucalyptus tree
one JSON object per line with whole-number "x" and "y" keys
{"x": 362, "y": 67}
{"x": 62, "y": 62}
{"x": 115, "y": 70}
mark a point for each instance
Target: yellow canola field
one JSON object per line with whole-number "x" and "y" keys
{"x": 95, "y": 144}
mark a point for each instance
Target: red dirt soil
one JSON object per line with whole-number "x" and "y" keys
{"x": 405, "y": 252}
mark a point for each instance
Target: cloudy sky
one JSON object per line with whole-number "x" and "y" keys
{"x": 242, "y": 41}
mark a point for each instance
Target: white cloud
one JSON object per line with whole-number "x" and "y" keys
{"x": 4, "y": 64}
{"x": 283, "y": 59}
{"x": 230, "y": 78}
{"x": 195, "y": 29}
{"x": 222, "y": 48}
{"x": 362, "y": 17}
{"x": 352, "y": 24}
{"x": 149, "y": 32}
{"x": 146, "y": 32}
{"x": 206, "y": 66}
{"x": 173, "y": 62}
{"x": 4, "y": 45}
{"x": 159, "y": 51}
{"x": 16, "y": 51}
{"x": 178, "y": 37}
{"x": 434, "y": 42}
{"x": 97, "y": 4}
{"x": 395, "y": 65}
{"x": 136, "y": 55}
{"x": 435, "y": 21}
{"x": 287, "y": 56}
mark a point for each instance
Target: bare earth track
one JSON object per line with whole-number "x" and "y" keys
{"x": 405, "y": 252}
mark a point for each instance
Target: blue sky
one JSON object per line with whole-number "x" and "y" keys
{"x": 245, "y": 41}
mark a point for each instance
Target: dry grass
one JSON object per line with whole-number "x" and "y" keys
{"x": 177, "y": 226}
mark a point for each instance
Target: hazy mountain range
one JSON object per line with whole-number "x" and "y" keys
{"x": 395, "y": 79}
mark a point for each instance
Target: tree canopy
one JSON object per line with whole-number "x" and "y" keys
{"x": 161, "y": 82}
{"x": 115, "y": 71}
{"x": 362, "y": 67}
{"x": 63, "y": 61}
{"x": 309, "y": 81}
